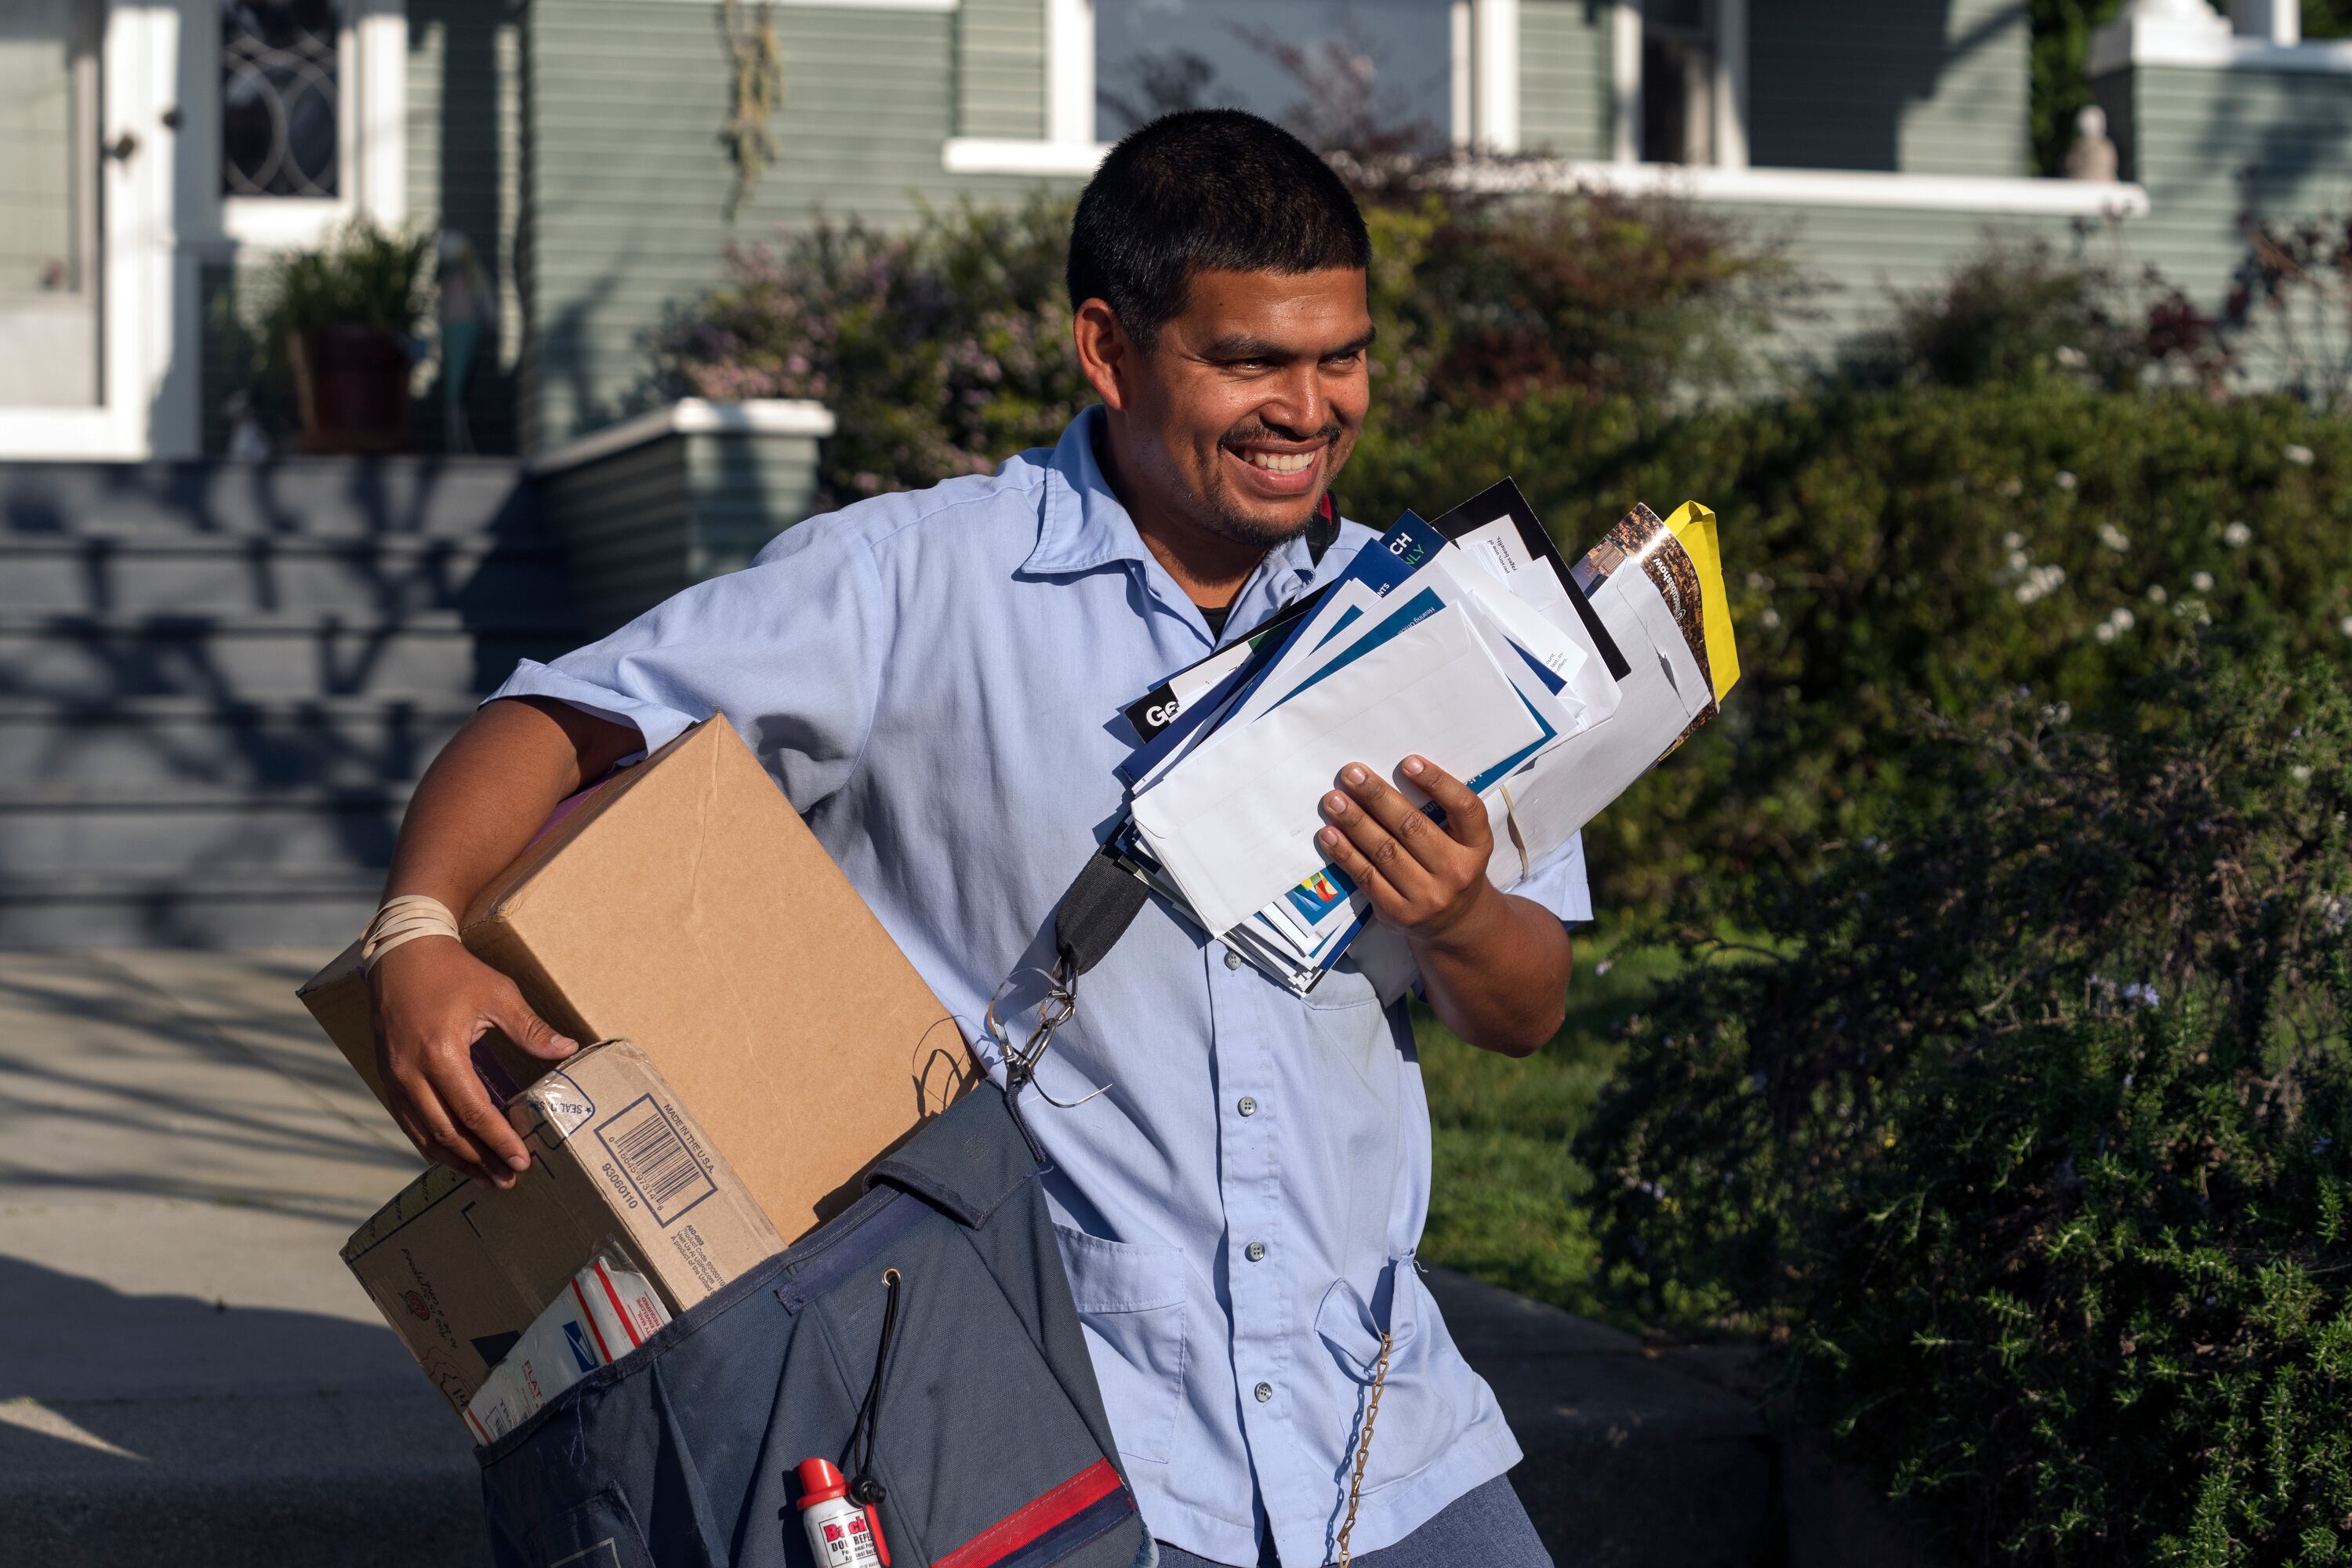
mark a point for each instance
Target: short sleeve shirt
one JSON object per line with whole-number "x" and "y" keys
{"x": 934, "y": 679}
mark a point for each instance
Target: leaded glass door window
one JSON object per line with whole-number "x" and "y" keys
{"x": 281, "y": 97}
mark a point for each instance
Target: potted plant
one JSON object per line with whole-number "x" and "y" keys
{"x": 346, "y": 319}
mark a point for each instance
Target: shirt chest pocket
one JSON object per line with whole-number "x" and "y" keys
{"x": 1130, "y": 1302}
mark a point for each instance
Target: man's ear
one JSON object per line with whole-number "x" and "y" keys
{"x": 1107, "y": 355}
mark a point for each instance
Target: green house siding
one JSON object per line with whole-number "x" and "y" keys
{"x": 1900, "y": 86}
{"x": 2208, "y": 144}
{"x": 639, "y": 524}
{"x": 1000, "y": 69}
{"x": 1864, "y": 258}
{"x": 1565, "y": 77}
{"x": 629, "y": 185}
{"x": 464, "y": 173}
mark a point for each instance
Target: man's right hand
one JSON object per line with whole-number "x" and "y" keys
{"x": 432, "y": 1000}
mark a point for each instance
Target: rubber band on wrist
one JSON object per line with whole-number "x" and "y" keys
{"x": 402, "y": 920}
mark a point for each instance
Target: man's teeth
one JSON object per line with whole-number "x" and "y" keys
{"x": 1280, "y": 462}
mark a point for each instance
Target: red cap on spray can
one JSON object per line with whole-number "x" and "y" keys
{"x": 820, "y": 1482}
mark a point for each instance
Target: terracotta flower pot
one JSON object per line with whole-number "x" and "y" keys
{"x": 352, "y": 386}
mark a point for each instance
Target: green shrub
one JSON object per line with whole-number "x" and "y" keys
{"x": 2030, "y": 1129}
{"x": 1920, "y": 545}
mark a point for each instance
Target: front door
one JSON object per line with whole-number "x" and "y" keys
{"x": 87, "y": 89}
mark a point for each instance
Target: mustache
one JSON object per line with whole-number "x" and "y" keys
{"x": 1258, "y": 430}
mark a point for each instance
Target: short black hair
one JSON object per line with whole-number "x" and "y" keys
{"x": 1205, "y": 189}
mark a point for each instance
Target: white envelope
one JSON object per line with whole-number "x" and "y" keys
{"x": 1235, "y": 823}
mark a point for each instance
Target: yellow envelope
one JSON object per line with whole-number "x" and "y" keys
{"x": 1695, "y": 526}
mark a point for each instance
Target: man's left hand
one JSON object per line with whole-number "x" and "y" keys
{"x": 1428, "y": 881}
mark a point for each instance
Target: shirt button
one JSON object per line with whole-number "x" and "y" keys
{"x": 1265, "y": 1391}
{"x": 1256, "y": 1252}
{"x": 1232, "y": 959}
{"x": 1246, "y": 1106}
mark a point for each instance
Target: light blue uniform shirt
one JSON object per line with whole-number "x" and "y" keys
{"x": 935, "y": 680}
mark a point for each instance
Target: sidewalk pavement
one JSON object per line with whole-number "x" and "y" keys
{"x": 194, "y": 1379}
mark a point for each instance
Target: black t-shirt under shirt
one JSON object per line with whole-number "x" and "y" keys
{"x": 1217, "y": 618}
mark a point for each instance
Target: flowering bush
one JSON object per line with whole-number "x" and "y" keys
{"x": 2029, "y": 1129}
{"x": 945, "y": 350}
{"x": 941, "y": 352}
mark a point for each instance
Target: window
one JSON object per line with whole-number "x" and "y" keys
{"x": 1679, "y": 75}
{"x": 1677, "y": 82}
{"x": 281, "y": 97}
{"x": 1362, "y": 73}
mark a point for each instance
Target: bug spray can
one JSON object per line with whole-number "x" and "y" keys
{"x": 841, "y": 1533}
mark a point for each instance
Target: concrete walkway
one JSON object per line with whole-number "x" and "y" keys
{"x": 192, "y": 1377}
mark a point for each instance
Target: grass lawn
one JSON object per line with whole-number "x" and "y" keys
{"x": 1502, "y": 1207}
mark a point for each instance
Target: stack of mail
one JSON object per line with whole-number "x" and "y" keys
{"x": 1467, "y": 642}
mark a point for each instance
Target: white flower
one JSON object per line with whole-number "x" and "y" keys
{"x": 2018, "y": 560}
{"x": 2114, "y": 538}
{"x": 2237, "y": 535}
{"x": 2040, "y": 583}
{"x": 1770, "y": 618}
{"x": 2012, "y": 539}
{"x": 2203, "y": 581}
{"x": 1604, "y": 966}
{"x": 2344, "y": 625}
{"x": 2071, "y": 357}
{"x": 2156, "y": 593}
{"x": 2104, "y": 631}
{"x": 2296, "y": 452}
{"x": 2121, "y": 619}
{"x": 2065, "y": 481}
{"x": 2302, "y": 771}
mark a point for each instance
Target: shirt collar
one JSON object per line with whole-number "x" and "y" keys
{"x": 1082, "y": 523}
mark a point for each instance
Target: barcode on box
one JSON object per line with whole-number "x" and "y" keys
{"x": 644, "y": 1143}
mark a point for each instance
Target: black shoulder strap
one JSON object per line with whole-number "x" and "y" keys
{"x": 1097, "y": 910}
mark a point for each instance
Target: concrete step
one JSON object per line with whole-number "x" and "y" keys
{"x": 288, "y": 654}
{"x": 196, "y": 831}
{"x": 165, "y": 741}
{"x": 226, "y": 909}
{"x": 134, "y": 574}
{"x": 432, "y": 496}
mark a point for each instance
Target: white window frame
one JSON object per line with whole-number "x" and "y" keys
{"x": 1485, "y": 107}
{"x": 371, "y": 139}
{"x": 1728, "y": 109}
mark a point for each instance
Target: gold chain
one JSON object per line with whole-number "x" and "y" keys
{"x": 1364, "y": 1449}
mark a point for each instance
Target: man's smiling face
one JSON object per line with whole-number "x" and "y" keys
{"x": 1250, "y": 399}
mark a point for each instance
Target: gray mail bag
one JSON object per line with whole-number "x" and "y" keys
{"x": 923, "y": 1341}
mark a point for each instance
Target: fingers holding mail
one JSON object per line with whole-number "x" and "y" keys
{"x": 1418, "y": 875}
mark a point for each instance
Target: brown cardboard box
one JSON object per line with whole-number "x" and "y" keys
{"x": 685, "y": 905}
{"x": 618, "y": 1165}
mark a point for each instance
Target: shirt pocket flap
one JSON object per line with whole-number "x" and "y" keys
{"x": 1350, "y": 1326}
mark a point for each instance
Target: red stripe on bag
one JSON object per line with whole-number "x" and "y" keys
{"x": 1018, "y": 1529}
